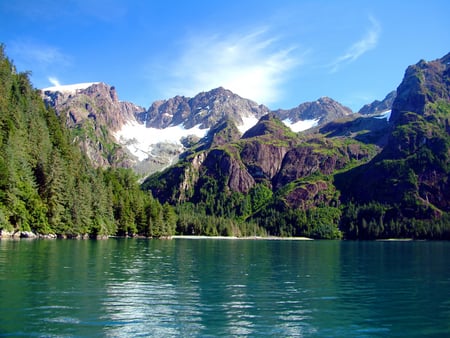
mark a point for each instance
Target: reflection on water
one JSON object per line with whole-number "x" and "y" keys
{"x": 132, "y": 287}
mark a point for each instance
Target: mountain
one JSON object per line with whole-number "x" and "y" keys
{"x": 409, "y": 179}
{"x": 321, "y": 111}
{"x": 121, "y": 134}
{"x": 48, "y": 186}
{"x": 203, "y": 110}
{"x": 378, "y": 107}
{"x": 94, "y": 113}
{"x": 359, "y": 176}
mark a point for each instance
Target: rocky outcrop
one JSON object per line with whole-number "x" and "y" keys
{"x": 268, "y": 154}
{"x": 262, "y": 160}
{"x": 423, "y": 84}
{"x": 205, "y": 109}
{"x": 308, "y": 195}
{"x": 413, "y": 169}
{"x": 95, "y": 113}
{"x": 318, "y": 155}
{"x": 324, "y": 109}
{"x": 378, "y": 107}
{"x": 98, "y": 102}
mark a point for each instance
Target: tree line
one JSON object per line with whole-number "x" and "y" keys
{"x": 48, "y": 186}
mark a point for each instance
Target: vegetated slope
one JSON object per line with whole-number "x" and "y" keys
{"x": 270, "y": 169}
{"x": 48, "y": 185}
{"x": 405, "y": 190}
{"x": 94, "y": 113}
{"x": 360, "y": 177}
{"x": 121, "y": 134}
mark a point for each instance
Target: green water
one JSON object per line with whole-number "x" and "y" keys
{"x": 135, "y": 287}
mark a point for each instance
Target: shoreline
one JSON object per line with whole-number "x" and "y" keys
{"x": 272, "y": 238}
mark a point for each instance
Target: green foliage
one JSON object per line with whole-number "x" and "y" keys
{"x": 48, "y": 186}
{"x": 375, "y": 220}
{"x": 194, "y": 220}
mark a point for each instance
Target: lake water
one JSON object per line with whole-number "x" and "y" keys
{"x": 181, "y": 287}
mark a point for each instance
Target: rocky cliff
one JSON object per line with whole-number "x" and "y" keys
{"x": 413, "y": 170}
{"x": 205, "y": 109}
{"x": 323, "y": 110}
{"x": 368, "y": 175}
{"x": 269, "y": 154}
{"x": 116, "y": 133}
{"x": 378, "y": 107}
{"x": 97, "y": 101}
{"x": 94, "y": 112}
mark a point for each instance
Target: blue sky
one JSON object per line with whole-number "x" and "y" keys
{"x": 279, "y": 53}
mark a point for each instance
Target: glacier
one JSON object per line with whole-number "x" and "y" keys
{"x": 301, "y": 125}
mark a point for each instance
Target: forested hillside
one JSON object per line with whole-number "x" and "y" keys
{"x": 48, "y": 186}
{"x": 359, "y": 177}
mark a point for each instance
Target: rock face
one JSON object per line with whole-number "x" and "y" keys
{"x": 98, "y": 102}
{"x": 205, "y": 109}
{"x": 413, "y": 170}
{"x": 378, "y": 107}
{"x": 324, "y": 110}
{"x": 111, "y": 132}
{"x": 94, "y": 112}
{"x": 268, "y": 154}
{"x": 423, "y": 84}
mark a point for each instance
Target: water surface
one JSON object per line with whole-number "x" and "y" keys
{"x": 136, "y": 287}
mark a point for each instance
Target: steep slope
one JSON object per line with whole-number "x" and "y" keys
{"x": 321, "y": 111}
{"x": 268, "y": 167}
{"x": 121, "y": 134}
{"x": 373, "y": 176}
{"x": 204, "y": 110}
{"x": 94, "y": 112}
{"x": 47, "y": 184}
{"x": 411, "y": 176}
{"x": 378, "y": 107}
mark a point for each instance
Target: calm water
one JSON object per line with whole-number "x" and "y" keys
{"x": 132, "y": 287}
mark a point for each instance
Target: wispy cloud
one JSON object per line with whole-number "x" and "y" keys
{"x": 368, "y": 42}
{"x": 253, "y": 65}
{"x": 54, "y": 81}
{"x": 38, "y": 54}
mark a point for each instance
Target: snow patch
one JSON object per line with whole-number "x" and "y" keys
{"x": 69, "y": 89}
{"x": 141, "y": 140}
{"x": 247, "y": 123}
{"x": 386, "y": 115}
{"x": 301, "y": 125}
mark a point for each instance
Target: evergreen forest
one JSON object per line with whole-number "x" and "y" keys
{"x": 48, "y": 186}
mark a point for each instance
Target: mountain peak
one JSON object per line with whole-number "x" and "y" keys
{"x": 268, "y": 124}
{"x": 205, "y": 109}
{"x": 423, "y": 84}
{"x": 323, "y": 110}
{"x": 69, "y": 89}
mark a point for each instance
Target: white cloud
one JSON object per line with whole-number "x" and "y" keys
{"x": 54, "y": 81}
{"x": 252, "y": 65}
{"x": 368, "y": 42}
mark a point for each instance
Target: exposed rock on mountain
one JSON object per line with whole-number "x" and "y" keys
{"x": 367, "y": 129}
{"x": 323, "y": 110}
{"x": 268, "y": 154}
{"x": 94, "y": 113}
{"x": 205, "y": 109}
{"x": 383, "y": 175}
{"x": 378, "y": 107}
{"x": 413, "y": 170}
{"x": 119, "y": 133}
{"x": 97, "y": 102}
{"x": 424, "y": 84}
